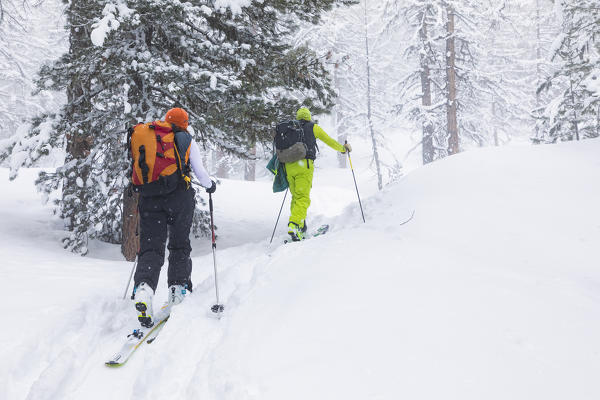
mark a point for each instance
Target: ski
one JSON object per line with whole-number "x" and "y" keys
{"x": 408, "y": 220}
{"x": 323, "y": 229}
{"x": 133, "y": 341}
{"x": 153, "y": 334}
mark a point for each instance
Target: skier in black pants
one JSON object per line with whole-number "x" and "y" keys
{"x": 165, "y": 209}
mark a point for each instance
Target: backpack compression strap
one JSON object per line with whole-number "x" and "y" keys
{"x": 142, "y": 163}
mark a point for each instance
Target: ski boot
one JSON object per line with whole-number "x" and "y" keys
{"x": 295, "y": 232}
{"x": 143, "y": 294}
{"x": 176, "y": 295}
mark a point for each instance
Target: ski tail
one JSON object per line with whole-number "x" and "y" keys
{"x": 321, "y": 230}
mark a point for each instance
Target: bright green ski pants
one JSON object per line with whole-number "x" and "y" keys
{"x": 300, "y": 180}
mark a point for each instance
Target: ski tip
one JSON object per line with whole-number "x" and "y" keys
{"x": 113, "y": 364}
{"x": 409, "y": 218}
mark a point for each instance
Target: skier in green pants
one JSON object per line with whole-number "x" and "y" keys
{"x": 300, "y": 173}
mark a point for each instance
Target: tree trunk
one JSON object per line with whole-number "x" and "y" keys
{"x": 451, "y": 107}
{"x": 496, "y": 139}
{"x": 78, "y": 143}
{"x": 221, "y": 164}
{"x": 130, "y": 240}
{"x": 340, "y": 125}
{"x": 369, "y": 114}
{"x": 250, "y": 169}
{"x": 130, "y": 243}
{"x": 131, "y": 219}
{"x": 574, "y": 122}
{"x": 427, "y": 143}
{"x": 538, "y": 69}
{"x": 598, "y": 121}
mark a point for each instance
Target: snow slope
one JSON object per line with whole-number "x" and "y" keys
{"x": 492, "y": 291}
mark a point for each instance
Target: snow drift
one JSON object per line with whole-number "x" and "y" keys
{"x": 492, "y": 291}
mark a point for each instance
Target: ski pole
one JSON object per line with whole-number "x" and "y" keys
{"x": 130, "y": 276}
{"x": 217, "y": 308}
{"x": 355, "y": 185}
{"x": 277, "y": 222}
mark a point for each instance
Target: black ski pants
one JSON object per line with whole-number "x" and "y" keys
{"x": 170, "y": 214}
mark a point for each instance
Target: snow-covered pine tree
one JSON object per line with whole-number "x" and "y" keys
{"x": 575, "y": 113}
{"x": 30, "y": 33}
{"x": 130, "y": 61}
{"x": 546, "y": 30}
{"x": 12, "y": 74}
{"x": 451, "y": 92}
{"x": 424, "y": 34}
{"x": 369, "y": 97}
{"x": 509, "y": 56}
{"x": 363, "y": 67}
{"x": 332, "y": 39}
{"x": 13, "y": 13}
{"x": 489, "y": 95}
{"x": 451, "y": 100}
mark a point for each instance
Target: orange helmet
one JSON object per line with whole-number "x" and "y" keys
{"x": 177, "y": 116}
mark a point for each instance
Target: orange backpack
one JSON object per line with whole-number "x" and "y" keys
{"x": 156, "y": 157}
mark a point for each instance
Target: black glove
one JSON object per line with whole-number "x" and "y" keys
{"x": 212, "y": 187}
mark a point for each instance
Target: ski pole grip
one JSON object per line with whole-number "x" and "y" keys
{"x": 349, "y": 159}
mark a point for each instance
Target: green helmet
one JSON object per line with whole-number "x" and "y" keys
{"x": 303, "y": 113}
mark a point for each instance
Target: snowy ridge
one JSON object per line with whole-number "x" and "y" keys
{"x": 491, "y": 292}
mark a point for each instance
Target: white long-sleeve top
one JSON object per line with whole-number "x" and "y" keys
{"x": 197, "y": 166}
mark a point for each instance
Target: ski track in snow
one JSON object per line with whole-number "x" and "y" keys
{"x": 491, "y": 291}
{"x": 65, "y": 357}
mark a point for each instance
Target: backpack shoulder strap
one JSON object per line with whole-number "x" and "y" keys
{"x": 183, "y": 141}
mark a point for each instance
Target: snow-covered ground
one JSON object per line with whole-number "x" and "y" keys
{"x": 492, "y": 291}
